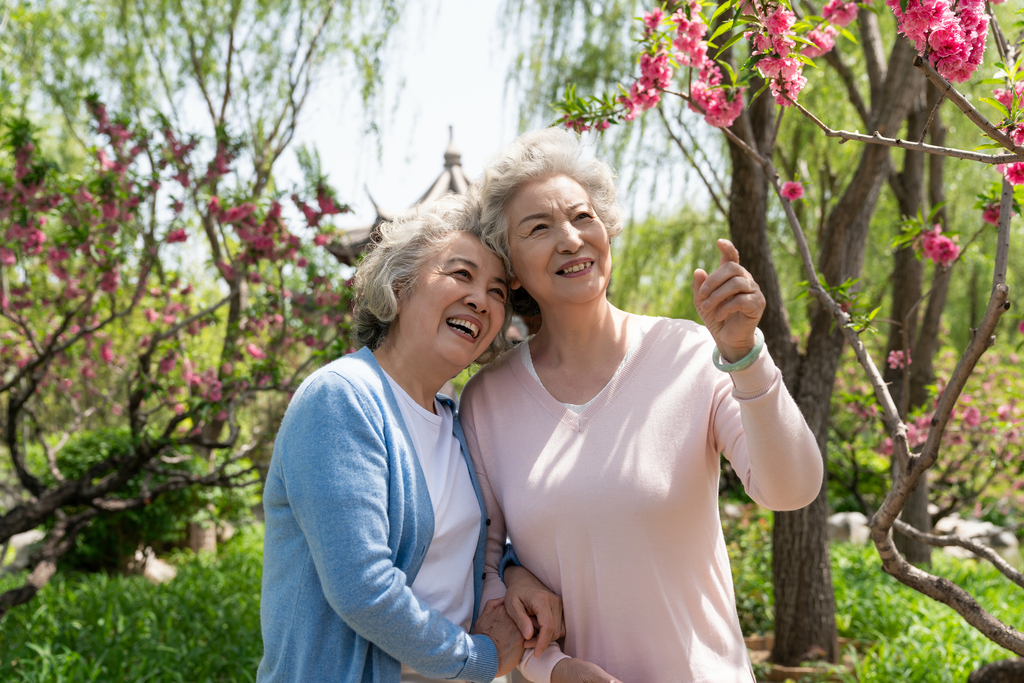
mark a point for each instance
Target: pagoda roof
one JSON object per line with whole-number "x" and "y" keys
{"x": 451, "y": 181}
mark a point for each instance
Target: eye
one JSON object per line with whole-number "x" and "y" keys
{"x": 583, "y": 215}
{"x": 499, "y": 293}
{"x": 539, "y": 226}
{"x": 462, "y": 272}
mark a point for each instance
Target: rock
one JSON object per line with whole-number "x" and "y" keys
{"x": 851, "y": 527}
{"x": 225, "y": 531}
{"x": 1001, "y": 540}
{"x": 1005, "y": 671}
{"x": 155, "y": 570}
{"x": 732, "y": 511}
{"x": 202, "y": 538}
{"x": 23, "y": 544}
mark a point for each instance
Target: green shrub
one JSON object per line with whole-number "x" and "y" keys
{"x": 202, "y": 626}
{"x": 111, "y": 539}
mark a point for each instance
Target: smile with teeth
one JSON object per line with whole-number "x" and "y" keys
{"x": 463, "y": 325}
{"x": 577, "y": 268}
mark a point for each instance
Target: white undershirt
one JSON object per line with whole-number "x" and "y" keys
{"x": 638, "y": 335}
{"x": 445, "y": 581}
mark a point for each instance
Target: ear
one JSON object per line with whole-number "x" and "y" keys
{"x": 515, "y": 284}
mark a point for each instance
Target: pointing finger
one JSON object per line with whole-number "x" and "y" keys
{"x": 729, "y": 252}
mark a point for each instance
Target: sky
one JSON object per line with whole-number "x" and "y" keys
{"x": 446, "y": 67}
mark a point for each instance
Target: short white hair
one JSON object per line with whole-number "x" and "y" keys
{"x": 533, "y": 156}
{"x": 388, "y": 270}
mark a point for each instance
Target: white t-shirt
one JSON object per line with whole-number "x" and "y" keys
{"x": 445, "y": 581}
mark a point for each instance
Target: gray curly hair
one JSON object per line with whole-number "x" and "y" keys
{"x": 532, "y": 156}
{"x": 388, "y": 271}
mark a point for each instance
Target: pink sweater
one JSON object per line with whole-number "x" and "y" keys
{"x": 616, "y": 510}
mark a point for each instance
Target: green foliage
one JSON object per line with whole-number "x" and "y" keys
{"x": 902, "y": 634}
{"x": 111, "y": 539}
{"x": 202, "y": 626}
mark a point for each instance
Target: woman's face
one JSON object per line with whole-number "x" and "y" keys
{"x": 456, "y": 305}
{"x": 559, "y": 247}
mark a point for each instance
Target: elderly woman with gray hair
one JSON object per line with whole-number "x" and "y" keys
{"x": 597, "y": 440}
{"x": 375, "y": 526}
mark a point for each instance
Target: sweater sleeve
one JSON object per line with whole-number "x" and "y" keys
{"x": 757, "y": 425}
{"x": 536, "y": 669}
{"x": 335, "y": 468}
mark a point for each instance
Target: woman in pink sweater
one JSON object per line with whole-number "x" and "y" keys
{"x": 597, "y": 441}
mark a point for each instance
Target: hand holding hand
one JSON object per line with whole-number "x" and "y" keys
{"x": 574, "y": 670}
{"x": 527, "y": 597}
{"x": 495, "y": 623}
{"x": 729, "y": 303}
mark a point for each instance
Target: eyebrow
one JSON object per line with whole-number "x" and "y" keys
{"x": 547, "y": 215}
{"x": 459, "y": 259}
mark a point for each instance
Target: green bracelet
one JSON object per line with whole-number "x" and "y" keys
{"x": 716, "y": 357}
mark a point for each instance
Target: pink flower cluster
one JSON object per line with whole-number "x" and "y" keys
{"x": 899, "y": 359}
{"x": 952, "y": 37}
{"x": 824, "y": 40}
{"x": 655, "y": 76}
{"x": 773, "y": 41}
{"x": 1013, "y": 172}
{"x": 938, "y": 247}
{"x": 839, "y": 12}
{"x": 1008, "y": 97}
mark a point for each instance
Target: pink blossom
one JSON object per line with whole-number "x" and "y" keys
{"x": 939, "y": 248}
{"x": 792, "y": 190}
{"x": 110, "y": 280}
{"x": 238, "y": 213}
{"x": 781, "y": 20}
{"x": 972, "y": 417}
{"x": 1007, "y": 97}
{"x": 7, "y": 257}
{"x": 151, "y": 315}
{"x": 653, "y": 19}
{"x": 1013, "y": 172}
{"x": 320, "y": 240}
{"x": 107, "y": 353}
{"x": 899, "y": 359}
{"x": 839, "y": 13}
{"x": 824, "y": 40}
{"x": 116, "y": 409}
{"x": 1020, "y": 328}
{"x": 1004, "y": 412}
{"x": 176, "y": 236}
{"x": 255, "y": 351}
{"x": 991, "y": 213}
{"x": 302, "y": 263}
{"x": 226, "y": 369}
{"x": 326, "y": 204}
{"x": 167, "y": 364}
{"x": 179, "y": 408}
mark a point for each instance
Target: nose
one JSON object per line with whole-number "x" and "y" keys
{"x": 570, "y": 240}
{"x": 477, "y": 299}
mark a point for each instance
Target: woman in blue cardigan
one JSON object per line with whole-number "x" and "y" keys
{"x": 375, "y": 528}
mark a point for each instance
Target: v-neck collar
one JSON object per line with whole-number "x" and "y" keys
{"x": 571, "y": 419}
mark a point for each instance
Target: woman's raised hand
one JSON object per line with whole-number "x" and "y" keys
{"x": 730, "y": 303}
{"x": 574, "y": 670}
{"x": 527, "y": 598}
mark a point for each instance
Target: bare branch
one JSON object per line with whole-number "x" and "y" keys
{"x": 878, "y": 139}
{"x": 952, "y": 540}
{"x": 693, "y": 163}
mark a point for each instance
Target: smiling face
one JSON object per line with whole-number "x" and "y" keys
{"x": 559, "y": 247}
{"x": 454, "y": 308}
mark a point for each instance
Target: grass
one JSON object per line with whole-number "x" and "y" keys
{"x": 906, "y": 636}
{"x": 204, "y": 625}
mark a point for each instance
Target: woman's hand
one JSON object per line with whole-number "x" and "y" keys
{"x": 730, "y": 303}
{"x": 527, "y": 597}
{"x": 574, "y": 670}
{"x": 495, "y": 623}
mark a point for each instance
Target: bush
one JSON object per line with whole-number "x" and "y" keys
{"x": 202, "y": 626}
{"x": 112, "y": 539}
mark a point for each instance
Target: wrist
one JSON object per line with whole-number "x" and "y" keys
{"x": 734, "y": 361}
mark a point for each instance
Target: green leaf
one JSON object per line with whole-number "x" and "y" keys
{"x": 721, "y": 8}
{"x": 732, "y": 41}
{"x": 997, "y": 104}
{"x": 848, "y": 35}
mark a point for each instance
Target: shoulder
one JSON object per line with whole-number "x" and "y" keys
{"x": 490, "y": 381}
{"x": 352, "y": 381}
{"x": 674, "y": 336}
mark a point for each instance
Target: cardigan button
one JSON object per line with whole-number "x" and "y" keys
{"x": 483, "y": 577}
{"x": 488, "y": 522}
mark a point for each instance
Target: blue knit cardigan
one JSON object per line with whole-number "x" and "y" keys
{"x": 348, "y": 522}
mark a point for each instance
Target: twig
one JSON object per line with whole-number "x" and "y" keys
{"x": 878, "y": 139}
{"x": 931, "y": 116}
{"x": 693, "y": 163}
{"x": 986, "y": 126}
{"x": 951, "y": 540}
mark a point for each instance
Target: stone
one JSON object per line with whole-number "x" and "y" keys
{"x": 850, "y": 527}
{"x": 1003, "y": 541}
{"x": 23, "y": 545}
{"x": 152, "y": 568}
